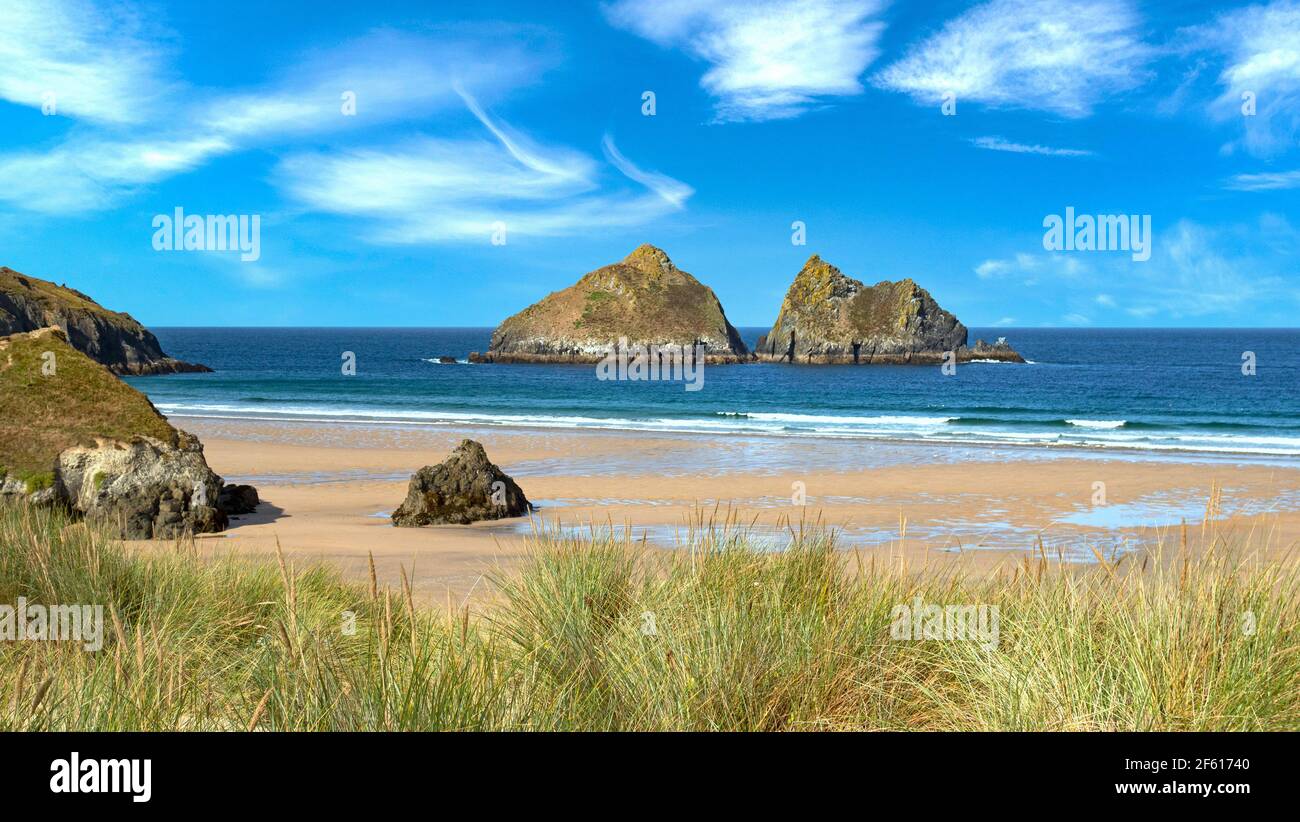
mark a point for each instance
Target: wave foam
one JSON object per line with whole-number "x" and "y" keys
{"x": 1102, "y": 424}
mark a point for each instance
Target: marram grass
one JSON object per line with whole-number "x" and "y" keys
{"x": 598, "y": 634}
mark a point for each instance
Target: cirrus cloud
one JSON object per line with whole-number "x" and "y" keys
{"x": 768, "y": 59}
{"x": 437, "y": 190}
{"x": 1041, "y": 55}
{"x": 1260, "y": 46}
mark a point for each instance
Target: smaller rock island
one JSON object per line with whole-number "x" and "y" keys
{"x": 828, "y": 317}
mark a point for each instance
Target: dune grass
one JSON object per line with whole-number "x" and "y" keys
{"x": 597, "y": 634}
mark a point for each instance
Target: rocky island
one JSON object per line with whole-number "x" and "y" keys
{"x": 828, "y": 317}
{"x": 644, "y": 299}
{"x": 75, "y": 436}
{"x": 108, "y": 337}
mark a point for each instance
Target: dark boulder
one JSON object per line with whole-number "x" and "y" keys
{"x": 464, "y": 488}
{"x": 238, "y": 499}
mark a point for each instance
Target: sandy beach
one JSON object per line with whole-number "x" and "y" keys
{"x": 327, "y": 490}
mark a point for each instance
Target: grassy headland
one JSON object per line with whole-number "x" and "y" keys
{"x": 53, "y": 397}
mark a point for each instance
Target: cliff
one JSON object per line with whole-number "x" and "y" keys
{"x": 828, "y": 317}
{"x": 108, "y": 337}
{"x": 644, "y": 298}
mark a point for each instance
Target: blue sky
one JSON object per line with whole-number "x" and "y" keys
{"x": 530, "y": 115}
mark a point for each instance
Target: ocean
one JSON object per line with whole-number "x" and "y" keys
{"x": 1112, "y": 390}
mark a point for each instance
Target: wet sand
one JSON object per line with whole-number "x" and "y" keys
{"x": 327, "y": 489}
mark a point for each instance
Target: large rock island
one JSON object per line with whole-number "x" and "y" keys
{"x": 108, "y": 337}
{"x": 73, "y": 435}
{"x": 828, "y": 317}
{"x": 644, "y": 299}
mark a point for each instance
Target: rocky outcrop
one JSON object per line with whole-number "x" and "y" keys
{"x": 108, "y": 337}
{"x": 147, "y": 488}
{"x": 464, "y": 488}
{"x": 644, "y": 299}
{"x": 828, "y": 317}
{"x": 999, "y": 350}
{"x": 73, "y": 435}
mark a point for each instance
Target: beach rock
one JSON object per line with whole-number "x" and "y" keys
{"x": 644, "y": 298}
{"x": 238, "y": 499}
{"x": 75, "y": 436}
{"x": 108, "y": 337}
{"x": 447, "y": 360}
{"x": 828, "y": 317}
{"x": 464, "y": 488}
{"x": 148, "y": 488}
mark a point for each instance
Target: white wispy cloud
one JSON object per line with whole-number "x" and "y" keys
{"x": 393, "y": 76}
{"x": 449, "y": 190}
{"x": 989, "y": 269}
{"x": 1264, "y": 181}
{"x": 673, "y": 192}
{"x": 768, "y": 59}
{"x": 999, "y": 144}
{"x": 1033, "y": 265}
{"x": 1229, "y": 271}
{"x": 94, "y": 60}
{"x": 1260, "y": 46}
{"x": 1042, "y": 55}
{"x": 85, "y": 174}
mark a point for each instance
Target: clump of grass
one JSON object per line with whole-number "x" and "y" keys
{"x": 34, "y": 481}
{"x": 599, "y": 634}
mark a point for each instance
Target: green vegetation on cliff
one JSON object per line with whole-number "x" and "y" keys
{"x": 53, "y": 297}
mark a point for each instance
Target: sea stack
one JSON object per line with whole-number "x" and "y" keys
{"x": 644, "y": 299}
{"x": 828, "y": 317}
{"x": 74, "y": 436}
{"x": 108, "y": 337}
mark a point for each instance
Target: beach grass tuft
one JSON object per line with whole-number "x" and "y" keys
{"x": 599, "y": 633}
